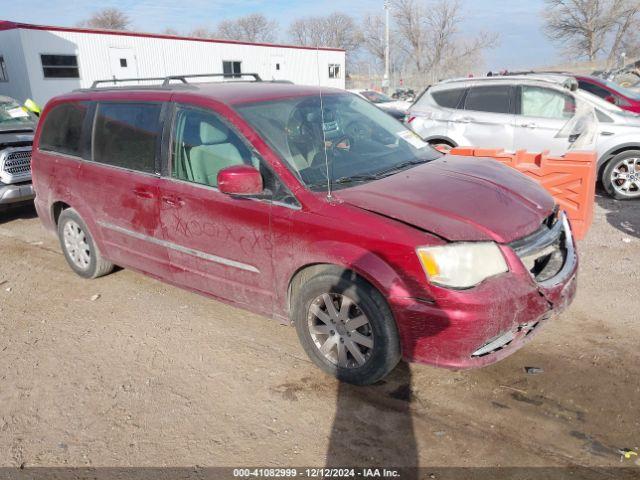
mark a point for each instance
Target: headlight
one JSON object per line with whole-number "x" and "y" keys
{"x": 461, "y": 265}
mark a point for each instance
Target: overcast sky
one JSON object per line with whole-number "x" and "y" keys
{"x": 522, "y": 43}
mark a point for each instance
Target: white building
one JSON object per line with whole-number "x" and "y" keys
{"x": 40, "y": 62}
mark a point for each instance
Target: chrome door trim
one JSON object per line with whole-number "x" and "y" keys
{"x": 179, "y": 248}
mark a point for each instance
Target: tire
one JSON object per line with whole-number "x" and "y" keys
{"x": 615, "y": 167}
{"x": 79, "y": 248}
{"x": 360, "y": 298}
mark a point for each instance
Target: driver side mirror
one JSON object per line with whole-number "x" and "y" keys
{"x": 240, "y": 180}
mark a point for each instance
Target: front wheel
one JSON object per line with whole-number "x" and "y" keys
{"x": 346, "y": 328}
{"x": 621, "y": 176}
{"x": 79, "y": 247}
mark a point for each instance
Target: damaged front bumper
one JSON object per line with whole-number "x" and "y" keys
{"x": 476, "y": 327}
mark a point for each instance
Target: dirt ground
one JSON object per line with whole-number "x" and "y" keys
{"x": 151, "y": 375}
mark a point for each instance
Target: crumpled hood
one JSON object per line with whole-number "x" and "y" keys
{"x": 458, "y": 198}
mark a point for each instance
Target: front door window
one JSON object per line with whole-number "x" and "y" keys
{"x": 204, "y": 145}
{"x": 547, "y": 103}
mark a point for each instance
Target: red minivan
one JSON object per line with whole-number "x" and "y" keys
{"x": 311, "y": 206}
{"x": 611, "y": 92}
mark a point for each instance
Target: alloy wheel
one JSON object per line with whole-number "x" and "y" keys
{"x": 340, "y": 330}
{"x": 77, "y": 245}
{"x": 625, "y": 177}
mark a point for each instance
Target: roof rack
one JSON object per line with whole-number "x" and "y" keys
{"x": 565, "y": 80}
{"x": 183, "y": 78}
{"x": 166, "y": 81}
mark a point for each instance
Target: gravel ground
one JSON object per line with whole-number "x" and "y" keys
{"x": 128, "y": 371}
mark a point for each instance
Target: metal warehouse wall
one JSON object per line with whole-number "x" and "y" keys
{"x": 17, "y": 85}
{"x": 160, "y": 57}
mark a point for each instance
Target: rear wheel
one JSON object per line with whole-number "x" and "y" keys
{"x": 79, "y": 248}
{"x": 621, "y": 176}
{"x": 346, "y": 328}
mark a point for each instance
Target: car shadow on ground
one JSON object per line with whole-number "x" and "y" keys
{"x": 624, "y": 215}
{"x": 390, "y": 440}
{"x": 23, "y": 212}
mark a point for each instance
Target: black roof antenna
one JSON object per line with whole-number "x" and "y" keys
{"x": 324, "y": 135}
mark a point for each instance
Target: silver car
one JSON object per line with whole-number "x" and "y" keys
{"x": 536, "y": 113}
{"x": 16, "y": 136}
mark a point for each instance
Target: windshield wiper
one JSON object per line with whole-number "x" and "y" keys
{"x": 367, "y": 177}
{"x": 380, "y": 174}
{"x": 358, "y": 178}
{"x": 400, "y": 166}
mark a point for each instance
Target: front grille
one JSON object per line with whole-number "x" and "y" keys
{"x": 15, "y": 165}
{"x": 544, "y": 252}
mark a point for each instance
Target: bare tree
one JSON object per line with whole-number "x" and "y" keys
{"x": 109, "y": 19}
{"x": 588, "y": 28}
{"x": 170, "y": 31}
{"x": 308, "y": 31}
{"x": 200, "y": 32}
{"x": 627, "y": 24}
{"x": 410, "y": 18}
{"x": 250, "y": 28}
{"x": 630, "y": 44}
{"x": 336, "y": 30}
{"x": 373, "y": 41}
{"x": 429, "y": 34}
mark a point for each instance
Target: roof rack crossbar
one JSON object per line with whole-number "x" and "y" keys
{"x": 120, "y": 80}
{"x": 183, "y": 78}
{"x": 166, "y": 81}
{"x": 565, "y": 80}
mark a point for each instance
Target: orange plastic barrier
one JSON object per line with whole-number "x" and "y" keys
{"x": 570, "y": 179}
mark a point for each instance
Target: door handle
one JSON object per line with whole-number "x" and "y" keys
{"x": 467, "y": 119}
{"x": 142, "y": 193}
{"x": 606, "y": 134}
{"x": 171, "y": 200}
{"x": 529, "y": 125}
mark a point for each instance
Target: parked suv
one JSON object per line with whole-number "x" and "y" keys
{"x": 530, "y": 112}
{"x": 321, "y": 210}
{"x": 16, "y": 135}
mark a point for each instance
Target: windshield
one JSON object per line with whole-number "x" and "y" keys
{"x": 603, "y": 104}
{"x": 350, "y": 138}
{"x": 620, "y": 89}
{"x": 12, "y": 114}
{"x": 376, "y": 97}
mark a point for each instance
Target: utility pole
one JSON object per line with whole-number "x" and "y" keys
{"x": 385, "y": 82}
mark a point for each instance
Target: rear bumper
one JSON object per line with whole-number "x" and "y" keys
{"x": 476, "y": 327}
{"x": 16, "y": 193}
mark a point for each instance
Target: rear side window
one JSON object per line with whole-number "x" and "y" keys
{"x": 602, "y": 117}
{"x": 493, "y": 99}
{"x": 126, "y": 135}
{"x": 448, "y": 98}
{"x": 62, "y": 129}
